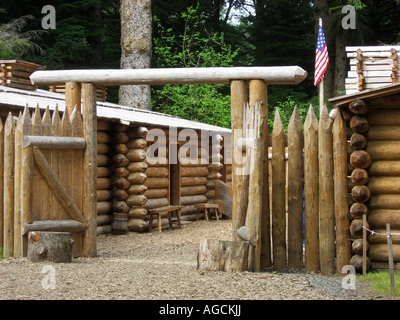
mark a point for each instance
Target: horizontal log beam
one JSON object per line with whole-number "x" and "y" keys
{"x": 54, "y": 225}
{"x": 222, "y": 75}
{"x": 47, "y": 142}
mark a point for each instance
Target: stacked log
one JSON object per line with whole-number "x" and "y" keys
{"x": 214, "y": 167}
{"x": 384, "y": 173}
{"x": 195, "y": 185}
{"x": 134, "y": 173}
{"x": 105, "y": 178}
{"x": 121, "y": 183}
{"x": 360, "y": 160}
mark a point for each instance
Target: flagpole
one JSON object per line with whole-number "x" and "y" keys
{"x": 321, "y": 83}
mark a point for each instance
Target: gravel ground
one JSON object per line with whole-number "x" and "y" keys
{"x": 162, "y": 266}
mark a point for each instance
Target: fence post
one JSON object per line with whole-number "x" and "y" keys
{"x": 19, "y": 132}
{"x": 72, "y": 96}
{"x": 89, "y": 119}
{"x": 278, "y": 194}
{"x": 341, "y": 205}
{"x": 311, "y": 191}
{"x": 1, "y": 183}
{"x": 326, "y": 194}
{"x": 9, "y": 149}
{"x": 295, "y": 191}
{"x": 238, "y": 102}
{"x": 258, "y": 96}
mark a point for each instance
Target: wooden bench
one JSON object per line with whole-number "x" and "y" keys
{"x": 206, "y": 207}
{"x": 167, "y": 210}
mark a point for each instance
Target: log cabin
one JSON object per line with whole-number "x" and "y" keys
{"x": 145, "y": 159}
{"x": 373, "y": 122}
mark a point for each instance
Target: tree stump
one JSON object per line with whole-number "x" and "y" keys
{"x": 219, "y": 255}
{"x": 49, "y": 246}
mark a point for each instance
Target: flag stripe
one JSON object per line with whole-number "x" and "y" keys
{"x": 321, "y": 57}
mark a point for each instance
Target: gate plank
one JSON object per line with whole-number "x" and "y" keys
{"x": 54, "y": 183}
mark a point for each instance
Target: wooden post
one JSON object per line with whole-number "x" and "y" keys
{"x": 1, "y": 183}
{"x": 258, "y": 96}
{"x": 326, "y": 196}
{"x": 73, "y": 96}
{"x": 278, "y": 194}
{"x": 9, "y": 149}
{"x": 311, "y": 191}
{"x": 390, "y": 254}
{"x": 295, "y": 191}
{"x": 365, "y": 245}
{"x": 89, "y": 119}
{"x": 47, "y": 193}
{"x": 18, "y": 249}
{"x": 56, "y": 160}
{"x": 77, "y": 176}
{"x": 254, "y": 209}
{"x": 238, "y": 102}
{"x": 343, "y": 253}
{"x": 26, "y": 177}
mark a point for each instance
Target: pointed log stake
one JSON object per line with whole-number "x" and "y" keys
{"x": 18, "y": 249}
{"x": 27, "y": 174}
{"x": 254, "y": 209}
{"x": 9, "y": 146}
{"x": 258, "y": 96}
{"x": 1, "y": 183}
{"x": 56, "y": 161}
{"x": 278, "y": 194}
{"x": 295, "y": 191}
{"x": 311, "y": 190}
{"x": 54, "y": 183}
{"x": 326, "y": 198}
{"x": 343, "y": 244}
{"x": 46, "y": 192}
{"x": 37, "y": 130}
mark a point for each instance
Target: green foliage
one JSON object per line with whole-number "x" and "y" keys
{"x": 14, "y": 42}
{"x": 194, "y": 48}
{"x": 286, "y": 107}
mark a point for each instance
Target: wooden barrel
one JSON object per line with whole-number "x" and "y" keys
{"x": 119, "y": 223}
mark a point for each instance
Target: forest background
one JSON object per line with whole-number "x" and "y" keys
{"x": 207, "y": 33}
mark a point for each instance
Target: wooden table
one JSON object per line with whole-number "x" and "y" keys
{"x": 167, "y": 210}
{"x": 206, "y": 207}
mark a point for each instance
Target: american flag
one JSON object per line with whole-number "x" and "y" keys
{"x": 321, "y": 57}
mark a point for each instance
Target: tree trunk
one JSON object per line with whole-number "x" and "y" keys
{"x": 136, "y": 49}
{"x": 50, "y": 246}
{"x": 218, "y": 255}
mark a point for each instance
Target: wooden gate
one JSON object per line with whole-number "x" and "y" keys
{"x": 51, "y": 183}
{"x": 50, "y": 175}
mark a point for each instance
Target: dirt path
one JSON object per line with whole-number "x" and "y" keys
{"x": 154, "y": 265}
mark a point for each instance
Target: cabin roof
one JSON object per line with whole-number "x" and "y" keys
{"x": 18, "y": 98}
{"x": 369, "y": 94}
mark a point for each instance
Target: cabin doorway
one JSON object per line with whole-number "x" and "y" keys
{"x": 174, "y": 178}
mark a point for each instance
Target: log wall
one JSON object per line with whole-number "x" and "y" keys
{"x": 373, "y": 155}
{"x": 105, "y": 177}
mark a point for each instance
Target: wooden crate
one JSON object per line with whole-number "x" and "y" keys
{"x": 101, "y": 91}
{"x": 16, "y": 73}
